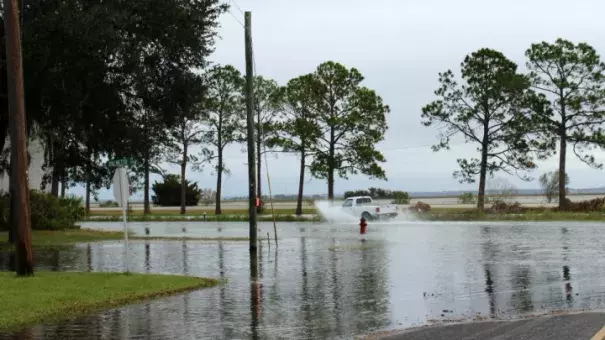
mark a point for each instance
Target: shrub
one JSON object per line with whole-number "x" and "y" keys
{"x": 47, "y": 212}
{"x": 593, "y": 205}
{"x": 501, "y": 207}
{"x": 420, "y": 207}
{"x": 501, "y": 189}
{"x": 550, "y": 185}
{"x": 109, "y": 204}
{"x": 207, "y": 196}
{"x": 51, "y": 213}
{"x": 398, "y": 197}
{"x": 168, "y": 193}
{"x": 357, "y": 193}
{"x": 401, "y": 197}
{"x": 467, "y": 198}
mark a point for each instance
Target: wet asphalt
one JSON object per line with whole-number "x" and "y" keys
{"x": 582, "y": 326}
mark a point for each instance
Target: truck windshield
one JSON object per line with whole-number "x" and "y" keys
{"x": 348, "y": 203}
{"x": 362, "y": 201}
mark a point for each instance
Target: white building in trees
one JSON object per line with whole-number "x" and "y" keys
{"x": 36, "y": 173}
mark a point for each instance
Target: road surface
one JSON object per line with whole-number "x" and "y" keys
{"x": 584, "y": 326}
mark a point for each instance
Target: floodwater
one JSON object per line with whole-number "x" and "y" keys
{"x": 324, "y": 282}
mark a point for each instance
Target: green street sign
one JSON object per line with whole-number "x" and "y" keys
{"x": 122, "y": 162}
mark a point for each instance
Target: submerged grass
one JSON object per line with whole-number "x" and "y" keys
{"x": 50, "y": 296}
{"x": 60, "y": 238}
{"x": 351, "y": 247}
{"x": 201, "y": 218}
{"x": 48, "y": 238}
{"x": 176, "y": 238}
{"x": 208, "y": 211}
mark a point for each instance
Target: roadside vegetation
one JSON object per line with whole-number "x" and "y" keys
{"x": 517, "y": 118}
{"x": 592, "y": 210}
{"x": 52, "y": 296}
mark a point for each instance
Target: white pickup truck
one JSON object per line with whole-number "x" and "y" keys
{"x": 363, "y": 206}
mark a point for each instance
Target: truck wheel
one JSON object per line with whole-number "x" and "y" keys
{"x": 366, "y": 215}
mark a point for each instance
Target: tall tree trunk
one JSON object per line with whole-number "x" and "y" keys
{"x": 483, "y": 168}
{"x": 482, "y": 181}
{"x": 146, "y": 170}
{"x": 87, "y": 195}
{"x": 56, "y": 175}
{"x": 562, "y": 187}
{"x": 331, "y": 166}
{"x": 184, "y": 180}
{"x": 54, "y": 186}
{"x": 57, "y": 167}
{"x": 562, "y": 153}
{"x": 259, "y": 208}
{"x": 146, "y": 166}
{"x": 63, "y": 184}
{"x": 301, "y": 183}
{"x": 219, "y": 166}
{"x": 13, "y": 205}
{"x": 88, "y": 176}
{"x": 219, "y": 179}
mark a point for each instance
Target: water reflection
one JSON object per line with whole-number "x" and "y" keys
{"x": 489, "y": 253}
{"x": 324, "y": 282}
{"x": 255, "y": 293}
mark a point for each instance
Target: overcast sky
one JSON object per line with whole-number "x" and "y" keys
{"x": 399, "y": 46}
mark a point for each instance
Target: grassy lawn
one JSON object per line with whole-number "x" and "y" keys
{"x": 50, "y": 296}
{"x": 197, "y": 212}
{"x": 47, "y": 238}
{"x": 465, "y": 214}
{"x": 44, "y": 238}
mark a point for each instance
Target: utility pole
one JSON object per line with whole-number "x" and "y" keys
{"x": 259, "y": 160}
{"x": 250, "y": 129}
{"x": 16, "y": 109}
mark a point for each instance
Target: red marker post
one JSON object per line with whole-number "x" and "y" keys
{"x": 363, "y": 226}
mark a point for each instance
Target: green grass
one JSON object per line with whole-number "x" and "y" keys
{"x": 50, "y": 296}
{"x": 47, "y": 238}
{"x": 472, "y": 215}
{"x": 44, "y": 238}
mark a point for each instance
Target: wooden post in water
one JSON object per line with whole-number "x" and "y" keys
{"x": 18, "y": 139}
{"x": 250, "y": 130}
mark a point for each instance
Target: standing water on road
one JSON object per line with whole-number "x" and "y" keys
{"x": 324, "y": 282}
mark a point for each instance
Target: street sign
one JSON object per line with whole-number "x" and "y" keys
{"x": 122, "y": 162}
{"x": 121, "y": 187}
{"x": 121, "y": 192}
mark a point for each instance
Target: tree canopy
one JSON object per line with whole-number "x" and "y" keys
{"x": 297, "y": 129}
{"x": 572, "y": 77}
{"x": 492, "y": 108}
{"x": 224, "y": 118}
{"x": 352, "y": 119}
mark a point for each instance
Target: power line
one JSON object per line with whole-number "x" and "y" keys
{"x": 236, "y": 6}
{"x": 417, "y": 146}
{"x": 236, "y": 19}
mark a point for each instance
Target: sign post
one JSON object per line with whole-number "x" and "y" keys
{"x": 121, "y": 192}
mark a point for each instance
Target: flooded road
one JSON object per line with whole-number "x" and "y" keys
{"x": 324, "y": 282}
